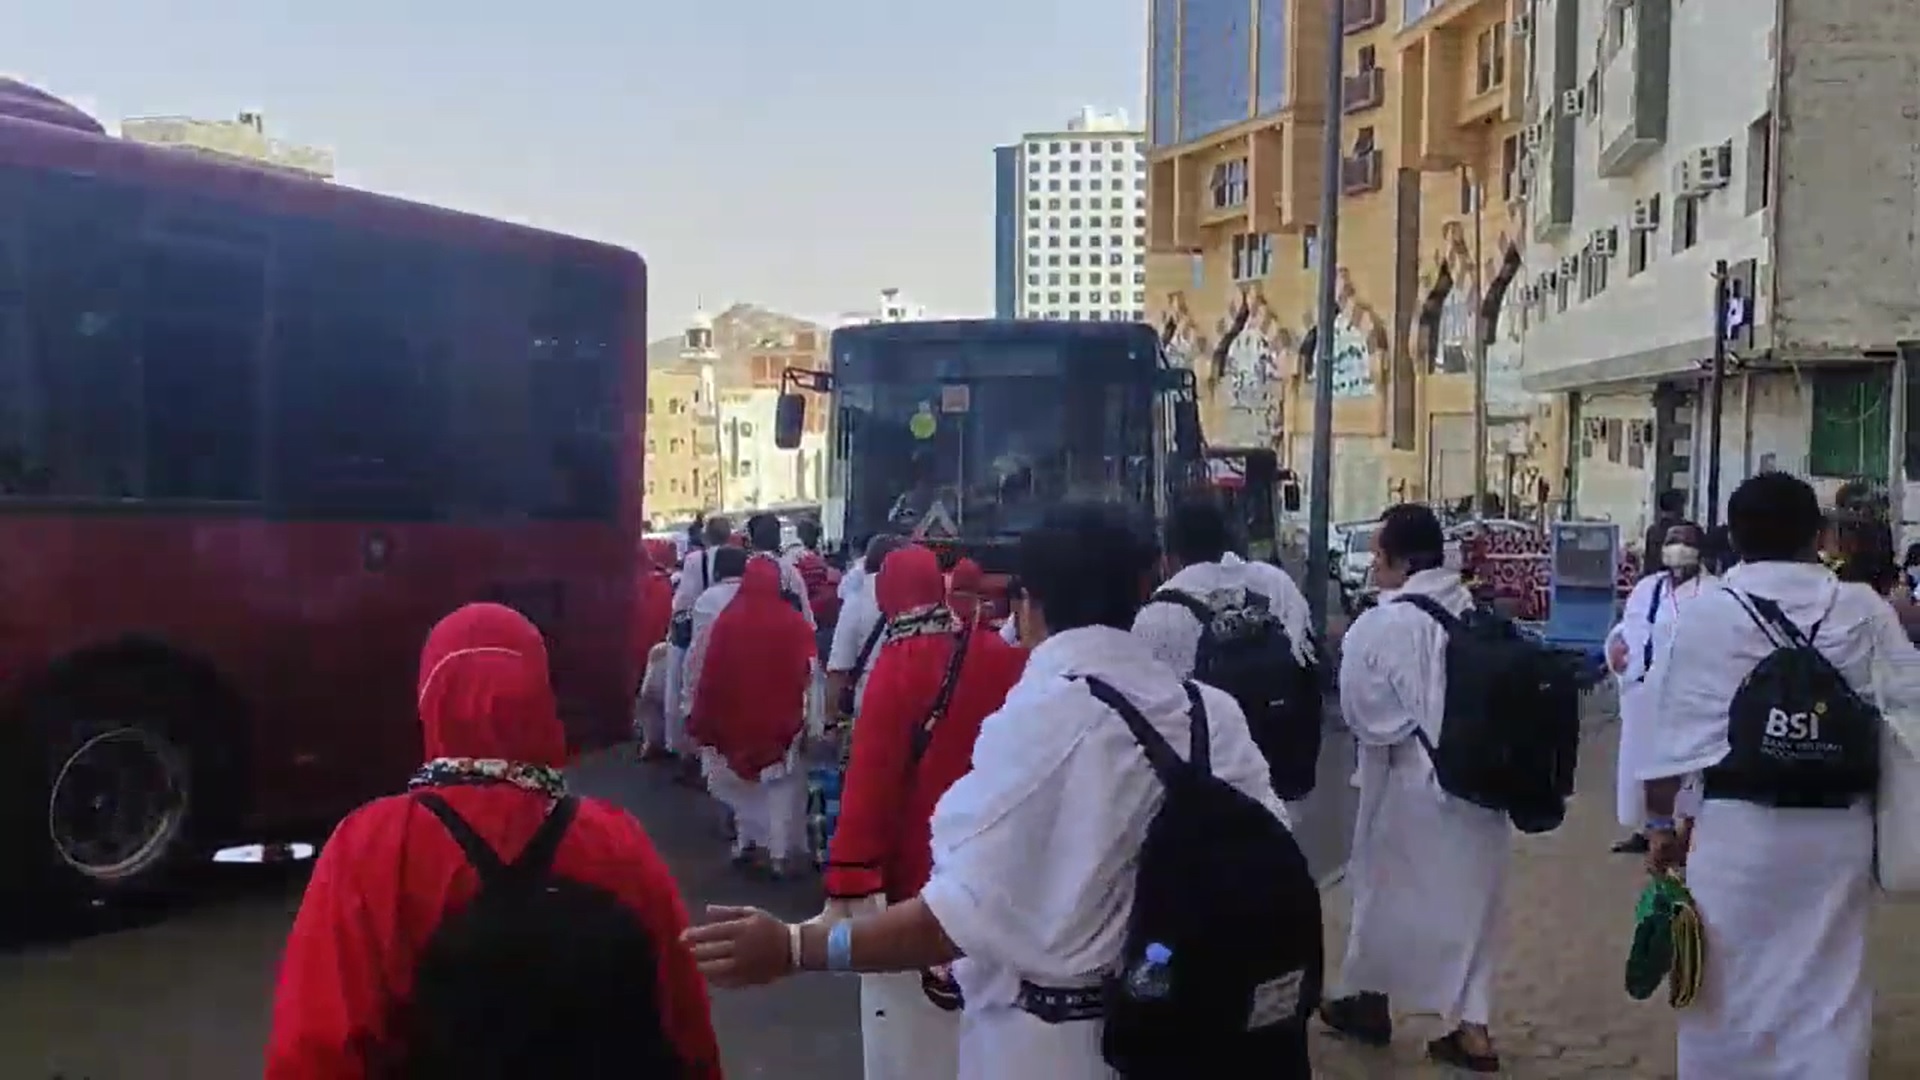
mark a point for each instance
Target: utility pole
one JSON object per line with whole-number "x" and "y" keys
{"x": 1479, "y": 356}
{"x": 1716, "y": 391}
{"x": 1320, "y": 482}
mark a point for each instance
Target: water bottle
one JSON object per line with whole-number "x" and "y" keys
{"x": 1152, "y": 978}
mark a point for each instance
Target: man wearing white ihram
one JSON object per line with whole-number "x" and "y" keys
{"x": 1645, "y": 628}
{"x": 1761, "y": 688}
{"x": 1427, "y": 869}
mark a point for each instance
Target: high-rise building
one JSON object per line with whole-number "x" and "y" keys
{"x": 1070, "y": 222}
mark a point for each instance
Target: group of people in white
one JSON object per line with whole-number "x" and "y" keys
{"x": 1749, "y": 758}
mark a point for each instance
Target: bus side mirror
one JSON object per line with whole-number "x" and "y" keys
{"x": 1290, "y": 497}
{"x": 789, "y": 420}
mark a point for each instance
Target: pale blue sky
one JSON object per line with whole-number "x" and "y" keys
{"x": 800, "y": 155}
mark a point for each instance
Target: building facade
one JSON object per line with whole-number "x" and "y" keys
{"x": 681, "y": 433}
{"x": 1070, "y": 222}
{"x": 244, "y": 137}
{"x": 1429, "y": 238}
{"x": 1655, "y": 152}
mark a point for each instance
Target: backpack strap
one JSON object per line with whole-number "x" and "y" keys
{"x": 923, "y": 733}
{"x": 1447, "y": 619}
{"x": 1773, "y": 622}
{"x": 1653, "y": 612}
{"x": 867, "y": 647}
{"x": 1166, "y": 764}
{"x": 535, "y": 861}
{"x": 1198, "y": 607}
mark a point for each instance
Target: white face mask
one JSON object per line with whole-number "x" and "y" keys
{"x": 1680, "y": 556}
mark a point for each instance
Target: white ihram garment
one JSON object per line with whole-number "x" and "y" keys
{"x": 1034, "y": 851}
{"x": 769, "y": 810}
{"x": 1427, "y": 871}
{"x": 1637, "y": 714}
{"x": 1174, "y": 634}
{"x": 903, "y": 1035}
{"x": 1784, "y": 894}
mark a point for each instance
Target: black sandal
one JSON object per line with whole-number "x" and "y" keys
{"x": 1451, "y": 1049}
{"x": 1361, "y": 1017}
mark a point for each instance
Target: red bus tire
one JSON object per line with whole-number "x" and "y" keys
{"x": 127, "y": 787}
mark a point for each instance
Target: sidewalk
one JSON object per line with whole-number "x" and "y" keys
{"x": 1560, "y": 1011}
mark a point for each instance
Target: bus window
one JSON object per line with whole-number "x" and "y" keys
{"x": 578, "y": 353}
{"x": 359, "y": 390}
{"x": 203, "y": 309}
{"x": 81, "y": 260}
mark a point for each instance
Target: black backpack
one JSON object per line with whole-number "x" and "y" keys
{"x": 537, "y": 975}
{"x": 680, "y": 628}
{"x": 1244, "y": 650}
{"x": 1223, "y": 885}
{"x": 1510, "y": 737}
{"x": 1798, "y": 735}
{"x": 850, "y": 693}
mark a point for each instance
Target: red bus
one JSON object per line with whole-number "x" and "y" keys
{"x": 257, "y": 434}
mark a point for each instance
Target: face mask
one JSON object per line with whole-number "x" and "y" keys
{"x": 1680, "y": 556}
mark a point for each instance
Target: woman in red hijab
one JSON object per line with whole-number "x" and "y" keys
{"x": 966, "y": 590}
{"x": 652, "y": 612}
{"x": 749, "y": 713}
{"x": 392, "y": 871}
{"x": 935, "y": 678}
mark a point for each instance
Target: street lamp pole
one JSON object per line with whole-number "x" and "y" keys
{"x": 1479, "y": 353}
{"x": 1320, "y": 482}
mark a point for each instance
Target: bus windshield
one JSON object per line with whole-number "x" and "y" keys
{"x": 972, "y": 440}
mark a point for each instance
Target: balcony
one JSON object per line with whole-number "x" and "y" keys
{"x": 1362, "y": 174}
{"x": 1363, "y": 90}
{"x": 1359, "y": 16}
{"x": 1632, "y": 122}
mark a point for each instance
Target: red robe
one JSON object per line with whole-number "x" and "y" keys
{"x": 881, "y": 844}
{"x": 652, "y": 606}
{"x": 751, "y": 701}
{"x": 390, "y": 871}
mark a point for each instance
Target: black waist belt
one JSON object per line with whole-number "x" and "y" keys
{"x": 1060, "y": 1005}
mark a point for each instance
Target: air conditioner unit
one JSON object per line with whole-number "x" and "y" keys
{"x": 1573, "y": 103}
{"x": 1522, "y": 186}
{"x": 1713, "y": 167}
{"x": 1523, "y": 25}
{"x": 1606, "y": 242}
{"x": 1532, "y": 136}
{"x": 1646, "y": 215}
{"x": 1570, "y": 266}
{"x": 1550, "y": 280}
{"x": 1683, "y": 177}
{"x": 1527, "y": 166}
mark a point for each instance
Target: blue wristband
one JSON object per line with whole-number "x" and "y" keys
{"x": 840, "y": 946}
{"x": 1664, "y": 824}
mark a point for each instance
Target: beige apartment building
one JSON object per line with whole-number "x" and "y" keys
{"x": 1432, "y": 194}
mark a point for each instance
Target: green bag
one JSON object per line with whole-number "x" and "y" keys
{"x": 1669, "y": 944}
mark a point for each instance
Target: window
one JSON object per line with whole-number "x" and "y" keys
{"x": 649, "y": 406}
{"x": 1367, "y": 58}
{"x": 1509, "y": 166}
{"x": 1490, "y": 59}
{"x": 1309, "y": 248}
{"x": 1229, "y": 184}
{"x": 1363, "y": 142}
{"x": 1469, "y": 192}
{"x": 1614, "y": 434}
{"x": 1252, "y": 256}
{"x": 1639, "y": 250}
{"x": 1686, "y": 223}
{"x": 1759, "y": 163}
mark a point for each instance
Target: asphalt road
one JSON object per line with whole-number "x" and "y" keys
{"x": 184, "y": 994}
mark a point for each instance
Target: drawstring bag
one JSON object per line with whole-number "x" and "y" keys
{"x": 1669, "y": 943}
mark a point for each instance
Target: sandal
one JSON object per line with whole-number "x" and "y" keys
{"x": 1361, "y": 1017}
{"x": 1451, "y": 1049}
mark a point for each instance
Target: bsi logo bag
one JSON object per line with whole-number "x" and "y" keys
{"x": 1798, "y": 734}
{"x": 537, "y": 975}
{"x": 1222, "y": 962}
{"x": 1244, "y": 650}
{"x": 1510, "y": 737}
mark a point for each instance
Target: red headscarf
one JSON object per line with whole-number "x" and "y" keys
{"x": 391, "y": 872}
{"x": 882, "y": 841}
{"x": 963, "y": 589}
{"x": 751, "y": 700}
{"x": 652, "y": 603}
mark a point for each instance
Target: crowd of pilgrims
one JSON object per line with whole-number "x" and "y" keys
{"x": 1009, "y": 791}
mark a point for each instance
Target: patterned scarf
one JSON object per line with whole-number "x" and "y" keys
{"x": 458, "y": 771}
{"x": 923, "y": 621}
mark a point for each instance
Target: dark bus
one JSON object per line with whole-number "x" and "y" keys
{"x": 960, "y": 434}
{"x": 257, "y": 434}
